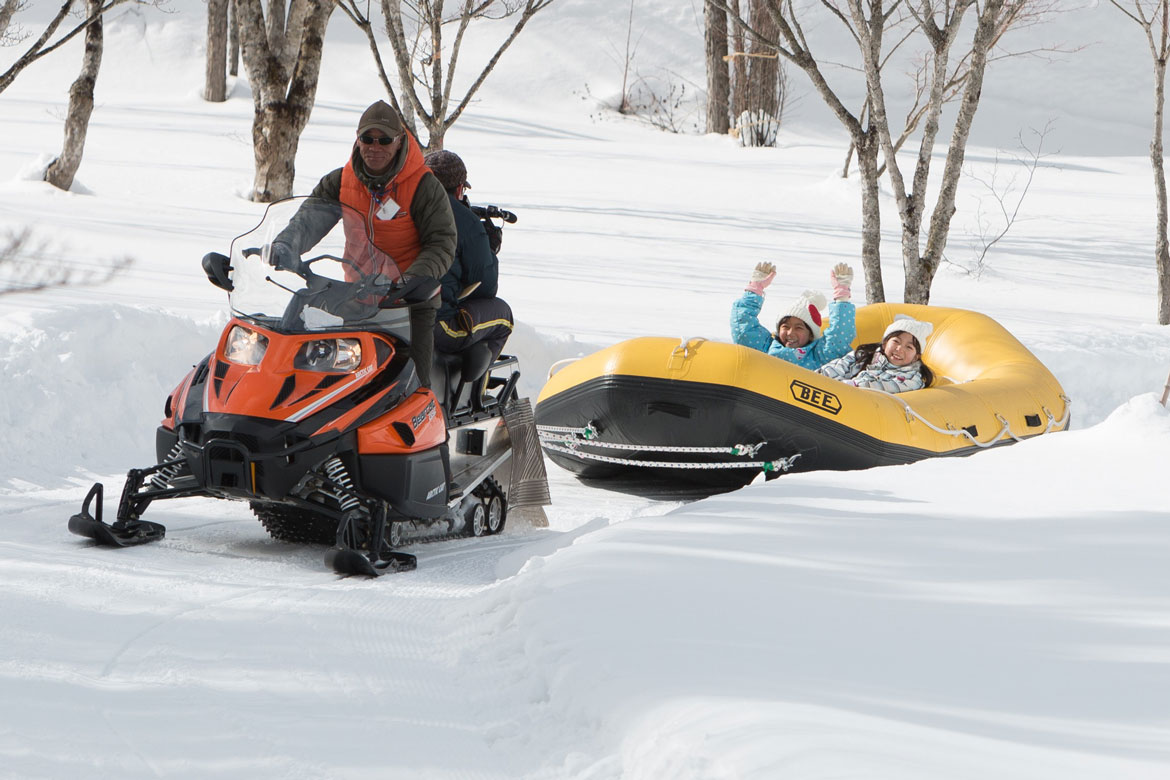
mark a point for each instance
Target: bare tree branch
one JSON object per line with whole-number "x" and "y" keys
{"x": 42, "y": 47}
{"x": 27, "y": 266}
{"x": 11, "y": 34}
{"x": 417, "y": 41}
{"x": 1008, "y": 196}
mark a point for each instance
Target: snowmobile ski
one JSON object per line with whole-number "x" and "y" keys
{"x": 123, "y": 533}
{"x": 348, "y": 561}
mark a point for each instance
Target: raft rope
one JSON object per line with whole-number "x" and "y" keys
{"x": 1006, "y": 429}
{"x": 567, "y": 440}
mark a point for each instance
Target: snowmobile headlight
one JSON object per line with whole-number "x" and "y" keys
{"x": 245, "y": 346}
{"x": 329, "y": 355}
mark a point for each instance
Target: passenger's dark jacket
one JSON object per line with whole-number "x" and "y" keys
{"x": 474, "y": 261}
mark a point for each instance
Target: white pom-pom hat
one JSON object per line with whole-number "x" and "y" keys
{"x": 917, "y": 329}
{"x": 808, "y": 308}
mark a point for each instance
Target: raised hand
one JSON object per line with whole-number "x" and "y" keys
{"x": 842, "y": 277}
{"x": 762, "y": 276}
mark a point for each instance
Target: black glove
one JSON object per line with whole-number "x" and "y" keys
{"x": 411, "y": 289}
{"x": 495, "y": 235}
{"x": 282, "y": 257}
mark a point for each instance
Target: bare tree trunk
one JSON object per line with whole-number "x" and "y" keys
{"x": 298, "y": 11}
{"x": 624, "y": 108}
{"x": 274, "y": 27}
{"x": 739, "y": 65}
{"x": 283, "y": 101}
{"x": 944, "y": 207}
{"x": 1159, "y": 49}
{"x": 1161, "y": 246}
{"x": 871, "y": 217}
{"x": 234, "y": 38}
{"x": 764, "y": 65}
{"x": 718, "y": 77}
{"x": 215, "y": 75}
{"x": 1147, "y": 17}
{"x": 62, "y": 170}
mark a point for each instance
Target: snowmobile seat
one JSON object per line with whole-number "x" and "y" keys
{"x": 457, "y": 377}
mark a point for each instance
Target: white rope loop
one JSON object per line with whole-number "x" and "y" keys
{"x": 1006, "y": 429}
{"x": 781, "y": 465}
{"x": 572, "y": 437}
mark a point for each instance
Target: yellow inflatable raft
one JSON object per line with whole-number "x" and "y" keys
{"x": 657, "y": 414}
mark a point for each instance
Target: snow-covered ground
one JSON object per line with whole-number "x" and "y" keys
{"x": 1003, "y": 615}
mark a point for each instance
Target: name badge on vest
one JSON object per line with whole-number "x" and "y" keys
{"x": 388, "y": 209}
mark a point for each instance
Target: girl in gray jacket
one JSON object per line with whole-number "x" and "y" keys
{"x": 893, "y": 365}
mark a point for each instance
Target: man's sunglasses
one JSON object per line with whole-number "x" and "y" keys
{"x": 382, "y": 141}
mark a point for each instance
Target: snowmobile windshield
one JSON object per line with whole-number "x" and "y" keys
{"x": 309, "y": 266}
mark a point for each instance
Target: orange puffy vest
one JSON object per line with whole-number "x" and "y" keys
{"x": 392, "y": 230}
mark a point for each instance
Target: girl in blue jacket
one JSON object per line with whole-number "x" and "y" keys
{"x": 800, "y": 336}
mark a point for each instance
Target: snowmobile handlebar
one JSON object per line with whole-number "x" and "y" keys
{"x": 494, "y": 212}
{"x": 410, "y": 289}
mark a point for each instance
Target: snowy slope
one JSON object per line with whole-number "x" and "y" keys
{"x": 995, "y": 616}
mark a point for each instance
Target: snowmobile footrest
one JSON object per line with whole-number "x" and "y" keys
{"x": 346, "y": 560}
{"x": 124, "y": 533}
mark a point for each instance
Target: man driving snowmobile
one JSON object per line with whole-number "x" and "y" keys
{"x": 401, "y": 204}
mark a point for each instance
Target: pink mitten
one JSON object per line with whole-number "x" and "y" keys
{"x": 841, "y": 277}
{"x": 762, "y": 276}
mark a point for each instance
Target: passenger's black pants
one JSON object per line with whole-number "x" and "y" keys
{"x": 480, "y": 319}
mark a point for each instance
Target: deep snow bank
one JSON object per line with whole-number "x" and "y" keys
{"x": 82, "y": 388}
{"x": 959, "y": 618}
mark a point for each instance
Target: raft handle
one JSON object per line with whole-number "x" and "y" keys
{"x": 557, "y": 366}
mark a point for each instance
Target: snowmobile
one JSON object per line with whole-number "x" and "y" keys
{"x": 310, "y": 408}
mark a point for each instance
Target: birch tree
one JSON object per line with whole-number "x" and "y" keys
{"x": 425, "y": 40}
{"x": 877, "y": 26}
{"x": 791, "y": 43}
{"x": 215, "y": 72}
{"x": 718, "y": 77}
{"x": 61, "y": 171}
{"x": 1152, "y": 17}
{"x": 282, "y": 57}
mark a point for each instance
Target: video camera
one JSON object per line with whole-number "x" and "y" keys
{"x": 494, "y": 212}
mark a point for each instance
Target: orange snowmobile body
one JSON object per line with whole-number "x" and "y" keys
{"x": 311, "y": 410}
